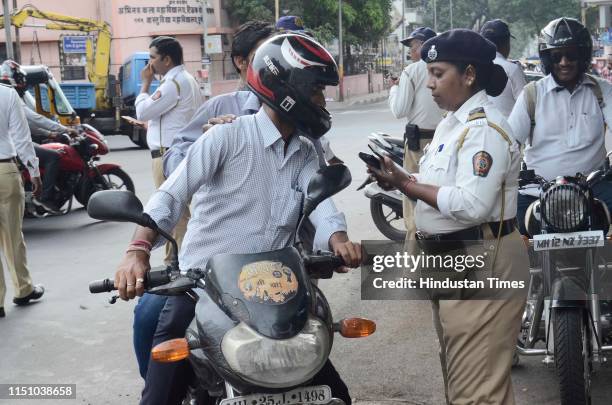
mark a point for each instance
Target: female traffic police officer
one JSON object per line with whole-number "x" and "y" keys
{"x": 466, "y": 190}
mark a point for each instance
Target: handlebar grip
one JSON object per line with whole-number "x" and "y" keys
{"x": 102, "y": 286}
{"x": 155, "y": 278}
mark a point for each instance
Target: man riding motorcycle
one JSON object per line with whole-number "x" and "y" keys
{"x": 246, "y": 182}
{"x": 42, "y": 129}
{"x": 561, "y": 119}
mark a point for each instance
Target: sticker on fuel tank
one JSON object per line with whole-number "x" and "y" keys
{"x": 267, "y": 282}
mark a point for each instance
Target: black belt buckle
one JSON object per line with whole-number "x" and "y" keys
{"x": 157, "y": 153}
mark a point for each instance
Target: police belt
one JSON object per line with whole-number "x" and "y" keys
{"x": 157, "y": 153}
{"x": 474, "y": 233}
{"x": 8, "y": 160}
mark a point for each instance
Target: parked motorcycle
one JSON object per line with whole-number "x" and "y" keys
{"x": 386, "y": 206}
{"x": 262, "y": 329}
{"x": 79, "y": 173}
{"x": 570, "y": 286}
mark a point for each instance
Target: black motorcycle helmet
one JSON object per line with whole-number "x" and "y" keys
{"x": 12, "y": 74}
{"x": 285, "y": 70}
{"x": 561, "y": 33}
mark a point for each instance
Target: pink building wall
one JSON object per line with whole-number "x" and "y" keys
{"x": 133, "y": 24}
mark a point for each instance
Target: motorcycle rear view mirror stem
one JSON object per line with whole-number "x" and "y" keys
{"x": 124, "y": 206}
{"x": 328, "y": 181}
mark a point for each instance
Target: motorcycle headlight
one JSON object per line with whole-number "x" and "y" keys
{"x": 565, "y": 207}
{"x": 277, "y": 363}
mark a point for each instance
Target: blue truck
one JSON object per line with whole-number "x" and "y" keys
{"x": 122, "y": 92}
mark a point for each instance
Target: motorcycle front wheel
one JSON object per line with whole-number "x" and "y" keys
{"x": 115, "y": 177}
{"x": 572, "y": 355}
{"x": 388, "y": 221}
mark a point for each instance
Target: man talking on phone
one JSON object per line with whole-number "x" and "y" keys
{"x": 166, "y": 110}
{"x": 409, "y": 97}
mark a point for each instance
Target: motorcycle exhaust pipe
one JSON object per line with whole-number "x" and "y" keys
{"x": 533, "y": 352}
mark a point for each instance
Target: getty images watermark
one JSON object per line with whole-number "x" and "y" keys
{"x": 440, "y": 270}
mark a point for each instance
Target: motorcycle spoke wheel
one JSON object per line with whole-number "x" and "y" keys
{"x": 387, "y": 221}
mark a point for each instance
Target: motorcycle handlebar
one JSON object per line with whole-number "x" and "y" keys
{"x": 322, "y": 265}
{"x": 153, "y": 278}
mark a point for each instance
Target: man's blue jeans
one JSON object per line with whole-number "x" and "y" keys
{"x": 146, "y": 317}
{"x": 602, "y": 191}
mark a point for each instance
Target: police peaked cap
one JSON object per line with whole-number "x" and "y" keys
{"x": 466, "y": 46}
{"x": 459, "y": 45}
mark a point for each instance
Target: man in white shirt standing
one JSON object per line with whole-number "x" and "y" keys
{"x": 409, "y": 97}
{"x": 15, "y": 141}
{"x": 561, "y": 119}
{"x": 498, "y": 32}
{"x": 168, "y": 109}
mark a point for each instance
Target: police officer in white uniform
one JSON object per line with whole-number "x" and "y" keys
{"x": 466, "y": 190}
{"x": 409, "y": 97}
{"x": 15, "y": 141}
{"x": 497, "y": 31}
{"x": 168, "y": 109}
{"x": 561, "y": 118}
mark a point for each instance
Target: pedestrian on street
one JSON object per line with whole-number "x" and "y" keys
{"x": 498, "y": 32}
{"x": 15, "y": 141}
{"x": 466, "y": 191}
{"x": 409, "y": 97}
{"x": 167, "y": 109}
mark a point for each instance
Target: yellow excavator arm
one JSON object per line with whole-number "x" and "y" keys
{"x": 97, "y": 65}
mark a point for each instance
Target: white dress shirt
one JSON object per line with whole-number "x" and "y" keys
{"x": 466, "y": 199}
{"x": 246, "y": 192}
{"x": 412, "y": 99}
{"x": 15, "y": 137}
{"x": 170, "y": 107}
{"x": 516, "y": 81}
{"x": 569, "y": 133}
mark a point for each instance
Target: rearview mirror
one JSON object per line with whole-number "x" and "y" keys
{"x": 328, "y": 181}
{"x": 118, "y": 206}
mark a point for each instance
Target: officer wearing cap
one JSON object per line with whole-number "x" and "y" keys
{"x": 498, "y": 32}
{"x": 466, "y": 190}
{"x": 409, "y": 97}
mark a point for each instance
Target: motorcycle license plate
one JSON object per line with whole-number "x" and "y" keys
{"x": 318, "y": 394}
{"x": 556, "y": 241}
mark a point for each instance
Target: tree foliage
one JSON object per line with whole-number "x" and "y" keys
{"x": 525, "y": 17}
{"x": 363, "y": 21}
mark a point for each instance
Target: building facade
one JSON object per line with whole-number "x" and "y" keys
{"x": 134, "y": 23}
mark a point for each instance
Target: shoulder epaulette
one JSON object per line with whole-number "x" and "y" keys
{"x": 6, "y": 85}
{"x": 476, "y": 114}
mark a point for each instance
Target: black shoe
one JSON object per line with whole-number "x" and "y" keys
{"x": 36, "y": 293}
{"x": 47, "y": 205}
{"x": 2, "y": 313}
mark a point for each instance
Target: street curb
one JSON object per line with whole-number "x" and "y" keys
{"x": 373, "y": 98}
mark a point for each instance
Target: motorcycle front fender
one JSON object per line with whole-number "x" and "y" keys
{"x": 569, "y": 292}
{"x": 391, "y": 198}
{"x": 102, "y": 168}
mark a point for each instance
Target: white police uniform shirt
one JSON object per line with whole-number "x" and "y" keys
{"x": 470, "y": 156}
{"x": 569, "y": 133}
{"x": 516, "y": 81}
{"x": 413, "y": 100}
{"x": 15, "y": 137}
{"x": 169, "y": 108}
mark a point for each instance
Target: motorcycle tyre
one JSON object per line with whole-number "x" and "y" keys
{"x": 376, "y": 210}
{"x": 573, "y": 366}
{"x": 89, "y": 187}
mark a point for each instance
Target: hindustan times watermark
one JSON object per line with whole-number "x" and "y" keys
{"x": 443, "y": 270}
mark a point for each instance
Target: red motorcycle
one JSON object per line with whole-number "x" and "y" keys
{"x": 79, "y": 173}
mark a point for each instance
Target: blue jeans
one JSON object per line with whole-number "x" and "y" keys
{"x": 146, "y": 317}
{"x": 602, "y": 191}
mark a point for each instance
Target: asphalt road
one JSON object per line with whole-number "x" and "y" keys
{"x": 73, "y": 337}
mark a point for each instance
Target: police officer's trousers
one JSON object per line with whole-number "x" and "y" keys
{"x": 11, "y": 237}
{"x": 478, "y": 337}
{"x": 411, "y": 164}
